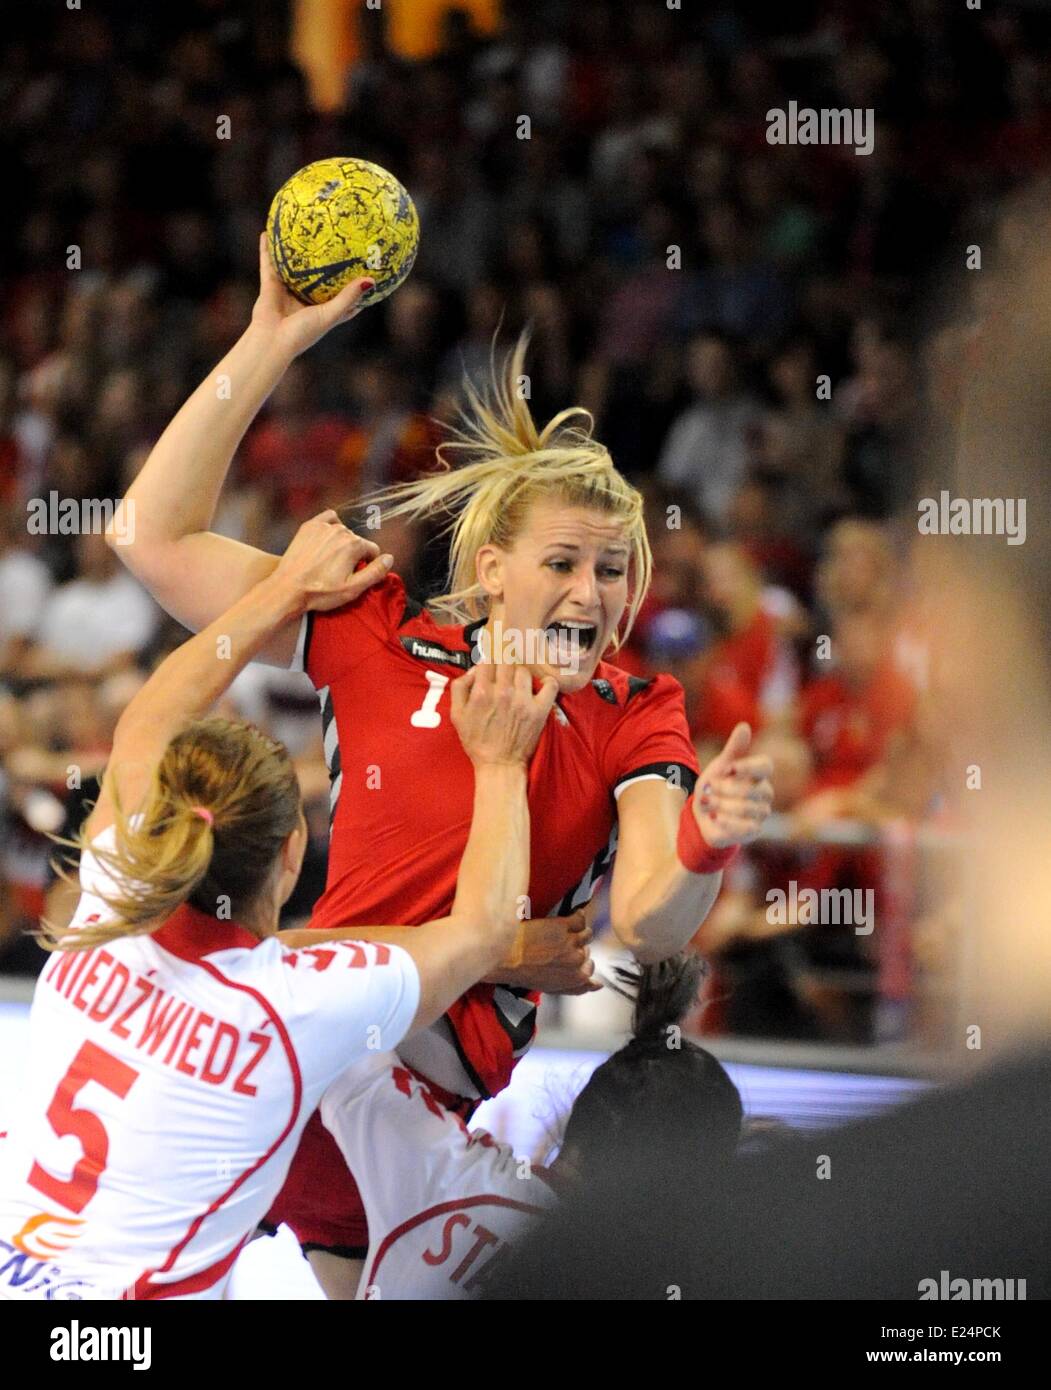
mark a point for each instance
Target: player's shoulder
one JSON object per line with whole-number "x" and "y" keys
{"x": 613, "y": 695}
{"x": 399, "y": 621}
{"x": 385, "y": 600}
{"x": 326, "y": 957}
{"x": 373, "y": 1077}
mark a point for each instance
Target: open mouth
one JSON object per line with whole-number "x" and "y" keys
{"x": 572, "y": 639}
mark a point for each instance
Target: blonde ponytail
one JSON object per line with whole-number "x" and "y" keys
{"x": 504, "y": 464}
{"x": 221, "y": 802}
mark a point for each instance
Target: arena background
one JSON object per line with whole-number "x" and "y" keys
{"x": 765, "y": 334}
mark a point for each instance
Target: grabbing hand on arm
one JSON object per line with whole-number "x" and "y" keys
{"x": 550, "y": 954}
{"x": 499, "y": 721}
{"x": 160, "y": 531}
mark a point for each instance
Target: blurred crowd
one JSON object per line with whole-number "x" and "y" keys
{"x": 751, "y": 325}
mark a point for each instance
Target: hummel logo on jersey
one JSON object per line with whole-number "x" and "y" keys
{"x": 432, "y": 651}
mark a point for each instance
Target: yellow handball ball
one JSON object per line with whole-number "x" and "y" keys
{"x": 337, "y": 220}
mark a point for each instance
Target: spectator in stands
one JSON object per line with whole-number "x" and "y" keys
{"x": 857, "y": 571}
{"x": 878, "y": 407}
{"x": 749, "y": 672}
{"x": 736, "y": 293}
{"x": 25, "y": 583}
{"x": 294, "y": 451}
{"x": 709, "y": 447}
{"x": 849, "y": 716}
{"x": 99, "y": 621}
{"x": 801, "y": 441}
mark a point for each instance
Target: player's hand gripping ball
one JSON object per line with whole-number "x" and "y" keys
{"x": 337, "y": 220}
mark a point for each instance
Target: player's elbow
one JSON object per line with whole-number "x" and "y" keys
{"x": 636, "y": 946}
{"x": 646, "y": 938}
{"x": 142, "y": 553}
{"x": 625, "y": 928}
{"x": 119, "y": 532}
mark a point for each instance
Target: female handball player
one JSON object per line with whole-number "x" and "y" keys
{"x": 547, "y": 539}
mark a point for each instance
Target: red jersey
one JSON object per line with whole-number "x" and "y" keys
{"x": 727, "y": 681}
{"x": 403, "y": 788}
{"x": 747, "y": 655}
{"x": 848, "y": 728}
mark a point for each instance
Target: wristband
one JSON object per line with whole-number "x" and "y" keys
{"x": 694, "y": 851}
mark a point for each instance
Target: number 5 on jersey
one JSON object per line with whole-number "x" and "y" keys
{"x": 427, "y": 716}
{"x": 90, "y": 1064}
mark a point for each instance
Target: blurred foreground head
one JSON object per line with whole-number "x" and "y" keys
{"x": 991, "y": 634}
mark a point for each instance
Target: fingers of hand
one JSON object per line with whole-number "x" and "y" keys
{"x": 576, "y": 968}
{"x": 731, "y": 789}
{"x": 590, "y": 988}
{"x": 335, "y": 589}
{"x": 583, "y": 981}
{"x": 724, "y": 826}
{"x": 359, "y": 547}
{"x": 484, "y": 681}
{"x": 545, "y": 696}
{"x": 460, "y": 691}
{"x": 757, "y": 769}
{"x": 579, "y": 933}
{"x": 347, "y": 303}
{"x": 504, "y": 679}
{"x": 327, "y": 531}
{"x": 736, "y": 808}
{"x": 734, "y": 748}
{"x": 373, "y": 572}
{"x": 267, "y": 272}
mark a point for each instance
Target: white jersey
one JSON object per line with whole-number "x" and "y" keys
{"x": 168, "y": 1081}
{"x": 443, "y": 1203}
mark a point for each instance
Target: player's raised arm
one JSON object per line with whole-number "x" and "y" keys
{"x": 315, "y": 572}
{"x": 161, "y": 530}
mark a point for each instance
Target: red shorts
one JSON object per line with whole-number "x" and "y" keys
{"x": 320, "y": 1200}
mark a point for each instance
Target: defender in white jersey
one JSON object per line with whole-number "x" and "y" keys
{"x": 444, "y": 1226}
{"x": 438, "y": 1225}
{"x": 168, "y": 1080}
{"x": 177, "y": 1044}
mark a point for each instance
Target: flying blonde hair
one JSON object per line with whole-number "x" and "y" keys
{"x": 167, "y": 853}
{"x": 504, "y": 464}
